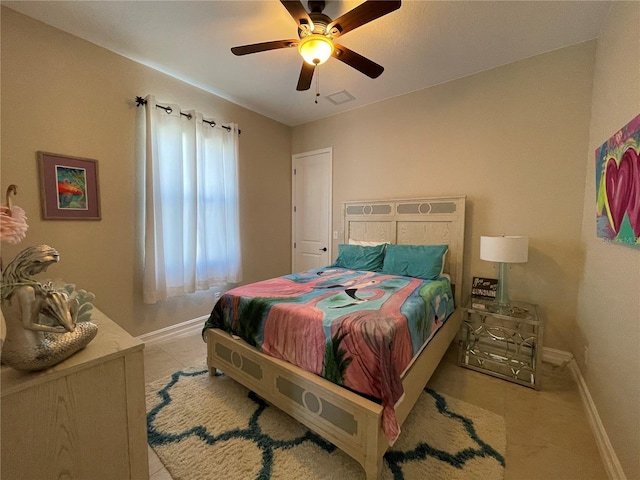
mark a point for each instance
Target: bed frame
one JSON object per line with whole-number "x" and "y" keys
{"x": 349, "y": 421}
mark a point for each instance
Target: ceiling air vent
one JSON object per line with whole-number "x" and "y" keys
{"x": 339, "y": 98}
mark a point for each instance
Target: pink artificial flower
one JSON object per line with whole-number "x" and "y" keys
{"x": 13, "y": 224}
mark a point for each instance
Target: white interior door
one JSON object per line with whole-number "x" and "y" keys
{"x": 311, "y": 209}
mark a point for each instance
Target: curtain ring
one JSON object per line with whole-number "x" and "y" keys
{"x": 11, "y": 189}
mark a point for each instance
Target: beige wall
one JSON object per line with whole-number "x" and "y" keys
{"x": 62, "y": 94}
{"x": 609, "y": 294}
{"x": 512, "y": 139}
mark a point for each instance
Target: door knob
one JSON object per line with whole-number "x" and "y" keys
{"x": 323, "y": 249}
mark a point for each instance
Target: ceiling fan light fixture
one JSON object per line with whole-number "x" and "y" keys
{"x": 315, "y": 49}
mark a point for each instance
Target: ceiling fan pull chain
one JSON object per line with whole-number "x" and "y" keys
{"x": 317, "y": 83}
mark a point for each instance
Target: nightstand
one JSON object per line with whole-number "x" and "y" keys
{"x": 505, "y": 342}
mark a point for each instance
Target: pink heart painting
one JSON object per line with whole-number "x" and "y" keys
{"x": 618, "y": 186}
{"x": 633, "y": 209}
{"x": 623, "y": 190}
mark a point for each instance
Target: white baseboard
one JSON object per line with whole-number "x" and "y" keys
{"x": 607, "y": 453}
{"x": 556, "y": 357}
{"x": 175, "y": 331}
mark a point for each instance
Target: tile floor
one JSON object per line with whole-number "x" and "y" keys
{"x": 548, "y": 437}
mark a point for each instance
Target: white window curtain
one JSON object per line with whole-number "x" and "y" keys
{"x": 192, "y": 231}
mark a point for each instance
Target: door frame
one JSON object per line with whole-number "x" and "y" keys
{"x": 294, "y": 157}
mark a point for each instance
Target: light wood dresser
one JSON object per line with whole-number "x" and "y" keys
{"x": 81, "y": 419}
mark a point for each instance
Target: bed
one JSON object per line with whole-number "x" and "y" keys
{"x": 356, "y": 423}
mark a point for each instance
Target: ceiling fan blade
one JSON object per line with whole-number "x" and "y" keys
{"x": 306, "y": 74}
{"x": 263, "y": 47}
{"x": 298, "y": 12}
{"x": 363, "y": 13}
{"x": 362, "y": 64}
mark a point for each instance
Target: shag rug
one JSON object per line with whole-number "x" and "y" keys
{"x": 206, "y": 427}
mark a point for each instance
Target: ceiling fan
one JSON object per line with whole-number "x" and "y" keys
{"x": 316, "y": 32}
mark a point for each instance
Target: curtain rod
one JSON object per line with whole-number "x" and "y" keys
{"x": 142, "y": 101}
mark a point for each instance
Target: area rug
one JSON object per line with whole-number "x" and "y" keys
{"x": 206, "y": 427}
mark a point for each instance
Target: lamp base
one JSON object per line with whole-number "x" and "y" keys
{"x": 501, "y": 304}
{"x": 502, "y": 295}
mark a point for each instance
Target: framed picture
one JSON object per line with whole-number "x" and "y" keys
{"x": 484, "y": 287}
{"x": 69, "y": 187}
{"x": 618, "y": 186}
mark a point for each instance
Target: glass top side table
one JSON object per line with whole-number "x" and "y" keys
{"x": 505, "y": 342}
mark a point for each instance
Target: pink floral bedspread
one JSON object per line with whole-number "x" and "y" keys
{"x": 357, "y": 329}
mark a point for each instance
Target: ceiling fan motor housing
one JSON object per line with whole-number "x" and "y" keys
{"x": 320, "y": 22}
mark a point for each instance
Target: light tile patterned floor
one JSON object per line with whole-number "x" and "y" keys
{"x": 548, "y": 437}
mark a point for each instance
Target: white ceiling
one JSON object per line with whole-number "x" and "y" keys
{"x": 422, "y": 44}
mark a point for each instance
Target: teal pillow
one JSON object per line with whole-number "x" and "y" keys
{"x": 358, "y": 257}
{"x": 419, "y": 261}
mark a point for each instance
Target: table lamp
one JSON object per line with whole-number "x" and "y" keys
{"x": 505, "y": 249}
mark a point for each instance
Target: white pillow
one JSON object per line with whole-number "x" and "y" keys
{"x": 364, "y": 243}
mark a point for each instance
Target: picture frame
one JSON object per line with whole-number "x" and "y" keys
{"x": 618, "y": 186}
{"x": 69, "y": 187}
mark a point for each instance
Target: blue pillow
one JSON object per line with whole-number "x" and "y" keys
{"x": 358, "y": 257}
{"x": 419, "y": 261}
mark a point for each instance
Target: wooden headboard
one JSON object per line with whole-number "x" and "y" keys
{"x": 413, "y": 221}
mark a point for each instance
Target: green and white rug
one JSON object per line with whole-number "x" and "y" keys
{"x": 206, "y": 427}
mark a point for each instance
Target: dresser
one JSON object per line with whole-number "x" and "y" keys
{"x": 81, "y": 419}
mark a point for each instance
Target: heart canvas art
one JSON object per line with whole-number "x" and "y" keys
{"x": 618, "y": 186}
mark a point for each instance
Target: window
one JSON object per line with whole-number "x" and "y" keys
{"x": 192, "y": 239}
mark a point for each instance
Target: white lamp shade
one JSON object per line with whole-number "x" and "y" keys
{"x": 507, "y": 249}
